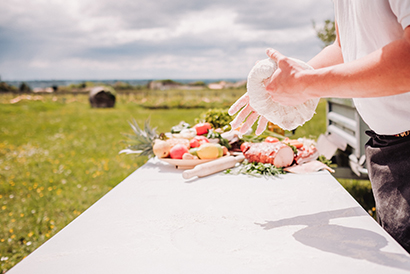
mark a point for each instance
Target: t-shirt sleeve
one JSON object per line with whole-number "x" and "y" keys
{"x": 401, "y": 8}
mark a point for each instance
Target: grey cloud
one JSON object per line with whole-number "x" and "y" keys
{"x": 258, "y": 14}
{"x": 188, "y": 45}
{"x": 261, "y": 14}
{"x": 151, "y": 14}
{"x": 17, "y": 45}
{"x": 50, "y": 33}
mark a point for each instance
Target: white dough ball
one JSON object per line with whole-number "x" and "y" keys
{"x": 286, "y": 117}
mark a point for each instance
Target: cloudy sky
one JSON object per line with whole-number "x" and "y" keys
{"x": 152, "y": 39}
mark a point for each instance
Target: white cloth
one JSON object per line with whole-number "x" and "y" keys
{"x": 364, "y": 27}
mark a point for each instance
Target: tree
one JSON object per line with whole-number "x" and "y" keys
{"x": 198, "y": 84}
{"x": 169, "y": 82}
{"x": 24, "y": 87}
{"x": 327, "y": 34}
{"x": 7, "y": 88}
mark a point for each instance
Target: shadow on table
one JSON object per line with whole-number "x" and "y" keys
{"x": 356, "y": 243}
{"x": 161, "y": 167}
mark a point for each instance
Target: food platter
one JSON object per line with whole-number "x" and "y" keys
{"x": 187, "y": 164}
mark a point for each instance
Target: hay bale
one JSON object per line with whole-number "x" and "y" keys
{"x": 102, "y": 97}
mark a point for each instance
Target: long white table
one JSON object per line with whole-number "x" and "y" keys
{"x": 156, "y": 222}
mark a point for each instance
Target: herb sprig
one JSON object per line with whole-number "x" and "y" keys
{"x": 256, "y": 169}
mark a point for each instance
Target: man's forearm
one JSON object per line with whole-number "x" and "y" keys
{"x": 329, "y": 56}
{"x": 382, "y": 73}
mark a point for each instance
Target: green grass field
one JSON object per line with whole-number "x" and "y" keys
{"x": 58, "y": 156}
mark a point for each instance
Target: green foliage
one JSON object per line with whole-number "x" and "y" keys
{"x": 181, "y": 126}
{"x": 260, "y": 138}
{"x": 188, "y": 99}
{"x": 110, "y": 89}
{"x": 327, "y": 34}
{"x": 82, "y": 85}
{"x": 198, "y": 84}
{"x": 218, "y": 118}
{"x": 142, "y": 140}
{"x": 361, "y": 190}
{"x": 323, "y": 159}
{"x": 315, "y": 126}
{"x": 168, "y": 82}
{"x": 4, "y": 87}
{"x": 24, "y": 87}
{"x": 256, "y": 169}
{"x": 294, "y": 149}
{"x": 123, "y": 86}
{"x": 216, "y": 135}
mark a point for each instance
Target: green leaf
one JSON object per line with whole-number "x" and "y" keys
{"x": 142, "y": 140}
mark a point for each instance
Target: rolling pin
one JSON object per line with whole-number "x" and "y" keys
{"x": 209, "y": 168}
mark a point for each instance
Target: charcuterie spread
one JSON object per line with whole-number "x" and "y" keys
{"x": 202, "y": 144}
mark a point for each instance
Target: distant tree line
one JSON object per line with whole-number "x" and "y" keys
{"x": 4, "y": 87}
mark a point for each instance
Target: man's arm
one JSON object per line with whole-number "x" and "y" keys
{"x": 330, "y": 55}
{"x": 381, "y": 73}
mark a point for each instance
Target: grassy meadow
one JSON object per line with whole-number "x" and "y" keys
{"x": 58, "y": 155}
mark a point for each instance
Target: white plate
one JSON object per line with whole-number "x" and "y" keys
{"x": 187, "y": 164}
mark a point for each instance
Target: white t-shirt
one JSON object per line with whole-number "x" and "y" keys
{"x": 364, "y": 27}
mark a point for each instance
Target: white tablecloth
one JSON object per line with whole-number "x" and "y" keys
{"x": 156, "y": 222}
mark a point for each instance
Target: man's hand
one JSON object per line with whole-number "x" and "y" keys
{"x": 248, "y": 114}
{"x": 285, "y": 85}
